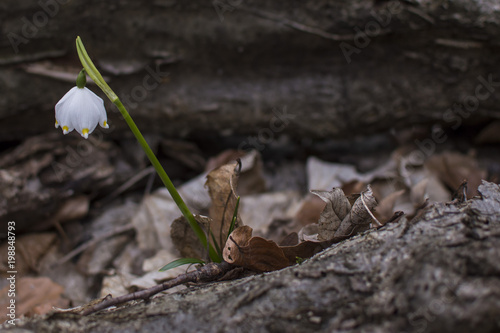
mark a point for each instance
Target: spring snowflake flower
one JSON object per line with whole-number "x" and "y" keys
{"x": 80, "y": 109}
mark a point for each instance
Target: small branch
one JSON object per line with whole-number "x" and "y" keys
{"x": 95, "y": 240}
{"x": 131, "y": 182}
{"x": 299, "y": 26}
{"x": 209, "y": 272}
{"x": 459, "y": 44}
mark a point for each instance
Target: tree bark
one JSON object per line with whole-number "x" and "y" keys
{"x": 338, "y": 68}
{"x": 439, "y": 272}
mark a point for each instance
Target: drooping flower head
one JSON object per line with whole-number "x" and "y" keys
{"x": 80, "y": 109}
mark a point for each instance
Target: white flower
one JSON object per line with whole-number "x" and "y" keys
{"x": 82, "y": 110}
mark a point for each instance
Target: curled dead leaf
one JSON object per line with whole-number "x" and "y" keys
{"x": 290, "y": 240}
{"x": 259, "y": 254}
{"x": 360, "y": 216}
{"x": 344, "y": 216}
{"x": 221, "y": 184}
{"x": 184, "y": 238}
{"x": 255, "y": 253}
{"x": 336, "y": 209}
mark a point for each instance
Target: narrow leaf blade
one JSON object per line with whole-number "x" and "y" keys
{"x": 180, "y": 262}
{"x": 235, "y": 217}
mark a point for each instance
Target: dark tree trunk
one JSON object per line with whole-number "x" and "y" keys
{"x": 339, "y": 68}
{"x": 335, "y": 69}
{"x": 437, "y": 273}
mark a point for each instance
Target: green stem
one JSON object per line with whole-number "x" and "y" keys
{"x": 166, "y": 181}
{"x": 96, "y": 76}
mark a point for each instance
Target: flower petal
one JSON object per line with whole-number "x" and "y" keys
{"x": 61, "y": 105}
{"x": 82, "y": 110}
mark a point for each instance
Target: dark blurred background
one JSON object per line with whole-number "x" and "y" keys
{"x": 348, "y": 81}
{"x": 341, "y": 68}
{"x": 412, "y": 85}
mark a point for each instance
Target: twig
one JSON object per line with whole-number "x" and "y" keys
{"x": 129, "y": 183}
{"x": 459, "y": 44}
{"x": 209, "y": 272}
{"x": 149, "y": 183}
{"x": 421, "y": 14}
{"x": 93, "y": 241}
{"x": 298, "y": 26}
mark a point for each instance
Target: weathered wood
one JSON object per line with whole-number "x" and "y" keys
{"x": 438, "y": 273}
{"x": 339, "y": 68}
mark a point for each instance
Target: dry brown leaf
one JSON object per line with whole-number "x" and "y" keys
{"x": 223, "y": 158}
{"x": 221, "y": 184}
{"x": 354, "y": 186}
{"x": 324, "y": 175}
{"x": 360, "y": 216}
{"x": 30, "y": 248}
{"x": 184, "y": 238}
{"x": 253, "y": 253}
{"x": 251, "y": 180}
{"x": 73, "y": 208}
{"x": 489, "y": 134}
{"x": 336, "y": 209}
{"x": 33, "y": 296}
{"x": 309, "y": 233}
{"x": 386, "y": 208}
{"x": 291, "y": 240}
{"x": 310, "y": 210}
{"x": 304, "y": 250}
{"x": 269, "y": 214}
{"x": 452, "y": 168}
{"x": 263, "y": 255}
{"x": 437, "y": 191}
{"x": 418, "y": 193}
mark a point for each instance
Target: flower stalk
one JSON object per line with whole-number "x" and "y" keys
{"x": 94, "y": 74}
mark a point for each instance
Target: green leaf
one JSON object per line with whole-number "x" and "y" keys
{"x": 217, "y": 247}
{"x": 180, "y": 262}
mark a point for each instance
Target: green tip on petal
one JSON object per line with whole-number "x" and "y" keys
{"x": 65, "y": 130}
{"x": 85, "y": 133}
{"x": 81, "y": 80}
